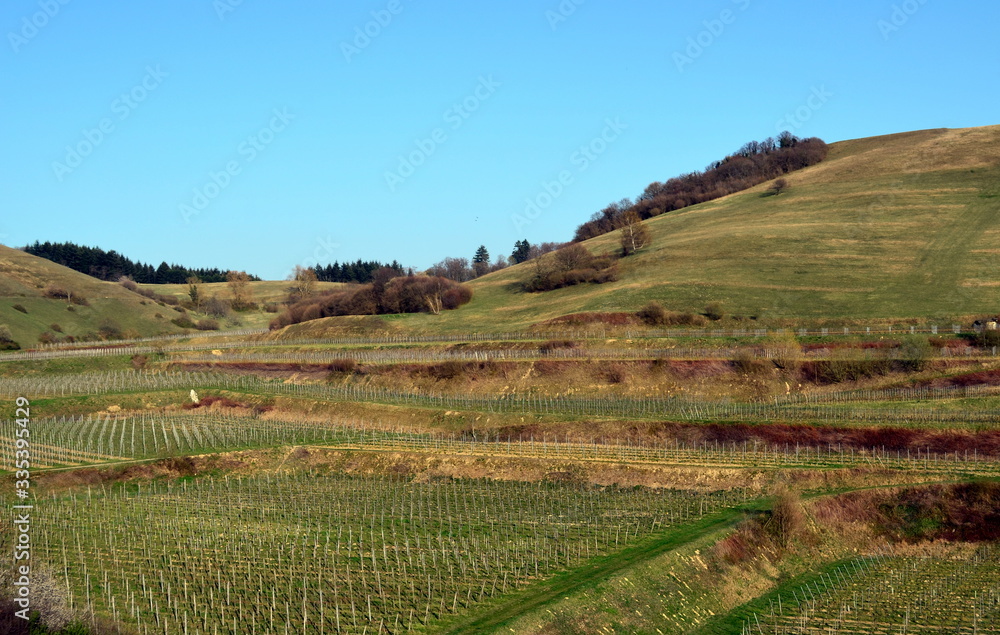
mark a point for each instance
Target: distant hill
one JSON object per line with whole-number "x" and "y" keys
{"x": 91, "y": 305}
{"x": 898, "y": 226}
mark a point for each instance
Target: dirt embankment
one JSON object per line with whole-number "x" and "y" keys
{"x": 983, "y": 442}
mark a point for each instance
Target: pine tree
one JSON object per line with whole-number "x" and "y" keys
{"x": 521, "y": 253}
{"x": 481, "y": 261}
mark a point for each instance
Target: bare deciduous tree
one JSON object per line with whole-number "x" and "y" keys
{"x": 635, "y": 235}
{"x": 303, "y": 284}
{"x": 778, "y": 187}
{"x": 239, "y": 286}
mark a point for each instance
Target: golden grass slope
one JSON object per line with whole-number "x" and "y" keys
{"x": 24, "y": 278}
{"x": 900, "y": 226}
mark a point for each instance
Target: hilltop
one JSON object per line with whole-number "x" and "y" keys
{"x": 898, "y": 226}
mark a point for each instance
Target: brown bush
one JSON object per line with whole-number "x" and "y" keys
{"x": 653, "y": 314}
{"x": 787, "y": 519}
{"x": 404, "y": 294}
{"x": 553, "y": 345}
{"x": 55, "y": 293}
{"x": 614, "y": 373}
{"x": 446, "y": 370}
{"x": 207, "y": 325}
{"x": 110, "y": 330}
{"x": 714, "y": 311}
{"x": 745, "y": 363}
{"x": 344, "y": 366}
{"x": 184, "y": 322}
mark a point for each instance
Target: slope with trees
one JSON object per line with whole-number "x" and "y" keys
{"x": 110, "y": 265}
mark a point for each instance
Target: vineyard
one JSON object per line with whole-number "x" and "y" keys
{"x": 316, "y": 544}
{"x": 888, "y": 595}
{"x": 94, "y": 440}
{"x": 331, "y": 553}
{"x": 850, "y": 408}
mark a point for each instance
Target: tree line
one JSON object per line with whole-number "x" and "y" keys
{"x": 111, "y": 265}
{"x": 361, "y": 271}
{"x": 753, "y": 164}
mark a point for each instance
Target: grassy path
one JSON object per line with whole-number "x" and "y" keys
{"x": 495, "y": 614}
{"x": 492, "y": 616}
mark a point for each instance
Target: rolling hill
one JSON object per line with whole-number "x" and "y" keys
{"x": 898, "y": 226}
{"x": 24, "y": 279}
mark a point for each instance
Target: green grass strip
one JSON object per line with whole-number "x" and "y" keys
{"x": 513, "y": 605}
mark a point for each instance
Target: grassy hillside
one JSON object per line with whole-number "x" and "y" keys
{"x": 263, "y": 291}
{"x": 900, "y": 226}
{"x": 24, "y": 278}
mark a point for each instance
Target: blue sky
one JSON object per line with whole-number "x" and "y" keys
{"x": 261, "y": 135}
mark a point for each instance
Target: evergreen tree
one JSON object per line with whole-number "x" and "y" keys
{"x": 481, "y": 261}
{"x": 521, "y": 253}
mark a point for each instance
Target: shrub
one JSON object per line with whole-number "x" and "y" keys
{"x": 552, "y": 345}
{"x": 271, "y": 307}
{"x": 7, "y": 342}
{"x": 446, "y": 370}
{"x": 56, "y": 327}
{"x": 787, "y": 519}
{"x": 844, "y": 368}
{"x": 207, "y": 325}
{"x": 184, "y": 322}
{"x": 345, "y": 366}
{"x": 686, "y": 319}
{"x": 110, "y": 330}
{"x": 47, "y": 338}
{"x": 778, "y": 187}
{"x": 915, "y": 353}
{"x": 714, "y": 312}
{"x": 55, "y": 293}
{"x": 653, "y": 314}
{"x": 158, "y": 316}
{"x": 787, "y": 354}
{"x": 988, "y": 339}
{"x": 20, "y": 307}
{"x": 456, "y": 297}
{"x": 745, "y": 363}
{"x": 571, "y": 266}
{"x": 129, "y": 284}
{"x": 615, "y": 374}
{"x": 217, "y": 307}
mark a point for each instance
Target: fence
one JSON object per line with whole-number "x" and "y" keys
{"x": 671, "y": 408}
{"x": 69, "y": 441}
{"x": 569, "y": 352}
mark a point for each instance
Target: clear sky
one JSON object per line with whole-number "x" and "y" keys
{"x": 259, "y": 135}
